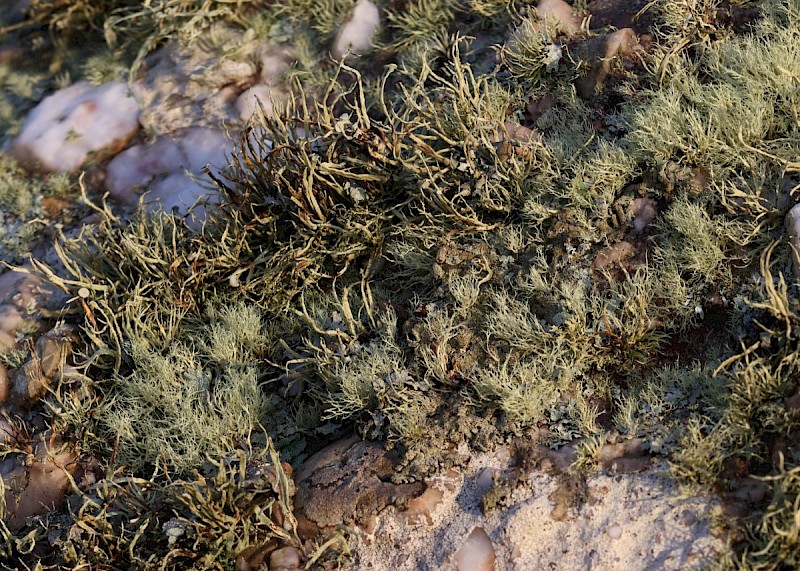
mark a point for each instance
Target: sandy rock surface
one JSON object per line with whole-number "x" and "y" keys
{"x": 631, "y": 522}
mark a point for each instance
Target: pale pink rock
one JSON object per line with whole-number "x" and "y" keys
{"x": 42, "y": 486}
{"x": 275, "y": 61}
{"x": 423, "y": 506}
{"x": 285, "y": 559}
{"x": 476, "y": 553}
{"x": 559, "y": 12}
{"x": 355, "y": 37}
{"x": 644, "y": 211}
{"x": 268, "y": 97}
{"x": 65, "y": 127}
{"x": 614, "y": 254}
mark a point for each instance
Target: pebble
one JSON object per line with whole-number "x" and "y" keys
{"x": 614, "y": 531}
{"x": 476, "y": 553}
{"x": 284, "y": 559}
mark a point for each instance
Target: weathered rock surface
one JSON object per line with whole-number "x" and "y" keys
{"x": 347, "y": 483}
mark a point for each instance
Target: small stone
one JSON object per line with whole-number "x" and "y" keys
{"x": 486, "y": 478}
{"x": 614, "y": 531}
{"x": 644, "y": 212}
{"x": 261, "y": 97}
{"x": 284, "y": 559}
{"x": 476, "y": 553}
{"x": 614, "y": 254}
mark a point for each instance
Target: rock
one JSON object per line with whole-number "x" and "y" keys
{"x": 268, "y": 97}
{"x": 65, "y": 127}
{"x": 285, "y": 559}
{"x": 476, "y": 553}
{"x": 355, "y": 37}
{"x": 170, "y": 169}
{"x": 346, "y": 483}
{"x": 275, "y": 62}
{"x": 520, "y": 133}
{"x": 5, "y": 387}
{"x": 34, "y": 379}
{"x": 29, "y": 294}
{"x": 599, "y": 53}
{"x": 560, "y": 13}
{"x": 41, "y": 487}
{"x": 614, "y": 254}
{"x": 614, "y": 531}
{"x": 10, "y": 322}
{"x": 422, "y": 507}
{"x": 644, "y": 210}
{"x": 610, "y": 453}
{"x": 186, "y": 86}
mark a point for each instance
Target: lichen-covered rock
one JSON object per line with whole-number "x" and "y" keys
{"x": 346, "y": 483}
{"x": 185, "y": 86}
{"x": 61, "y": 132}
{"x": 600, "y": 53}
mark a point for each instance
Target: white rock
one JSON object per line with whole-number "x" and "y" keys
{"x": 139, "y": 165}
{"x": 65, "y": 127}
{"x": 171, "y": 169}
{"x": 355, "y": 37}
